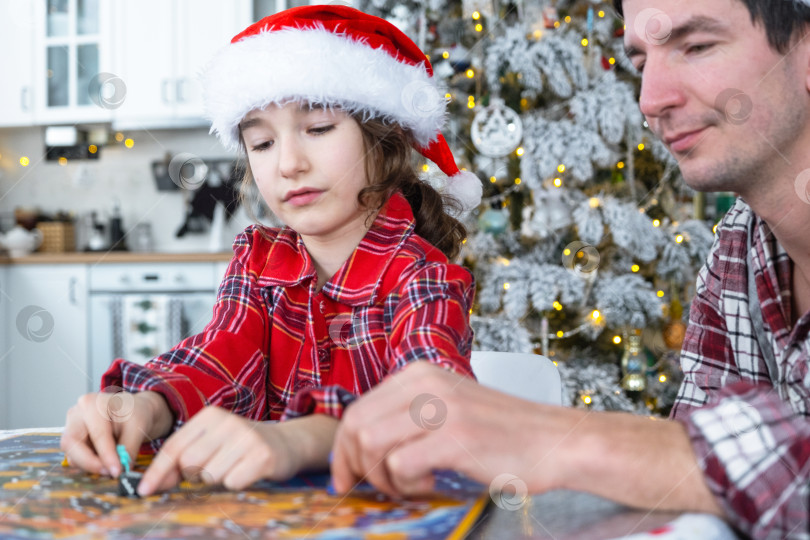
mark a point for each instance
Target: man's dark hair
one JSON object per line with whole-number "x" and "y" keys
{"x": 783, "y": 20}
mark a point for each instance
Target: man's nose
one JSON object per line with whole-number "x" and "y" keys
{"x": 661, "y": 89}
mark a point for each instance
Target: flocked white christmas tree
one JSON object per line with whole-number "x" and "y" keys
{"x": 584, "y": 249}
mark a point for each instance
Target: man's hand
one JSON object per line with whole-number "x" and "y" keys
{"x": 426, "y": 419}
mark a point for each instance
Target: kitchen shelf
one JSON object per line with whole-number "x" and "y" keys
{"x": 115, "y": 257}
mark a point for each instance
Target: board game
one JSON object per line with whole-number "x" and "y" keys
{"x": 41, "y": 498}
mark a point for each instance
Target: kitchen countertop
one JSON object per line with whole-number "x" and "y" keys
{"x": 115, "y": 257}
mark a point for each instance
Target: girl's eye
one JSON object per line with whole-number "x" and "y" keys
{"x": 320, "y": 130}
{"x": 261, "y": 146}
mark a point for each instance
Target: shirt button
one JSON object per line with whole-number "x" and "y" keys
{"x": 322, "y": 354}
{"x": 322, "y": 306}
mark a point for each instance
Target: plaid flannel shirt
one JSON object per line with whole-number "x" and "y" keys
{"x": 276, "y": 348}
{"x": 749, "y": 430}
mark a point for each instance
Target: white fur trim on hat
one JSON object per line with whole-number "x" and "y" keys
{"x": 321, "y": 67}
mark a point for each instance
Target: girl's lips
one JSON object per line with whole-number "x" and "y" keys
{"x": 303, "y": 198}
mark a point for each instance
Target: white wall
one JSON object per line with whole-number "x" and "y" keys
{"x": 121, "y": 173}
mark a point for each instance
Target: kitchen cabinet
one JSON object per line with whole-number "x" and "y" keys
{"x": 47, "y": 368}
{"x": 72, "y": 61}
{"x": 17, "y": 63}
{"x": 160, "y": 48}
{"x": 5, "y": 312}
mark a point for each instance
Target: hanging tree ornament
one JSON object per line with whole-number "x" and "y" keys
{"x": 493, "y": 221}
{"x": 634, "y": 363}
{"x": 548, "y": 214}
{"x": 496, "y": 130}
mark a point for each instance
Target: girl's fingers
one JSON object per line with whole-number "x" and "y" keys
{"x": 101, "y": 436}
{"x": 218, "y": 468}
{"x": 74, "y": 443}
{"x": 164, "y": 471}
{"x": 242, "y": 474}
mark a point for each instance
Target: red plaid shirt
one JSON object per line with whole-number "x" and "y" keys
{"x": 750, "y": 431}
{"x": 277, "y": 348}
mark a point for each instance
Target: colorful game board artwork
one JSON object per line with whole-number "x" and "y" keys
{"x": 40, "y": 498}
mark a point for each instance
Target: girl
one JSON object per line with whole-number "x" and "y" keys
{"x": 327, "y": 103}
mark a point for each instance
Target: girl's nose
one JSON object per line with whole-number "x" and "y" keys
{"x": 292, "y": 157}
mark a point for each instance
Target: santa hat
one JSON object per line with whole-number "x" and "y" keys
{"x": 334, "y": 55}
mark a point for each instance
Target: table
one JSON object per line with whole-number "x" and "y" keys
{"x": 563, "y": 515}
{"x": 30, "y": 474}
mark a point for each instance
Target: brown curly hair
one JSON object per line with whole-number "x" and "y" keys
{"x": 390, "y": 167}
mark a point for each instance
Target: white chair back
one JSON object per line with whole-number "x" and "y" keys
{"x": 528, "y": 376}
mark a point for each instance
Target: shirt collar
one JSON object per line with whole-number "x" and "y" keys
{"x": 358, "y": 280}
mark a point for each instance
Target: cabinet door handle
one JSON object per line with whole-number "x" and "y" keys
{"x": 164, "y": 91}
{"x": 72, "y": 284}
{"x": 180, "y": 84}
{"x": 25, "y": 99}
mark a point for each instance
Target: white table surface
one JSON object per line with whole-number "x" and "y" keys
{"x": 563, "y": 515}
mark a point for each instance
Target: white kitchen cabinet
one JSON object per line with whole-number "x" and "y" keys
{"x": 17, "y": 63}
{"x": 47, "y": 369}
{"x": 72, "y": 58}
{"x": 5, "y": 349}
{"x": 160, "y": 48}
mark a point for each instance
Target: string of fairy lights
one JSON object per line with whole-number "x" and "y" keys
{"x": 120, "y": 138}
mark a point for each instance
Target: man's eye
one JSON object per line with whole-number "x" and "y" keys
{"x": 699, "y": 48}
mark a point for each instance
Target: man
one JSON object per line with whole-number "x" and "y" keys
{"x": 726, "y": 85}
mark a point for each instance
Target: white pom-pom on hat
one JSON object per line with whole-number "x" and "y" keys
{"x": 334, "y": 55}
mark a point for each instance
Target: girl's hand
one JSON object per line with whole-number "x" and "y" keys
{"x": 219, "y": 447}
{"x": 99, "y": 421}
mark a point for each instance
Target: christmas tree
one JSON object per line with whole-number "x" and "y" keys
{"x": 584, "y": 249}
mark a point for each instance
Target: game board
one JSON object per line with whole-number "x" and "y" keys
{"x": 40, "y": 498}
